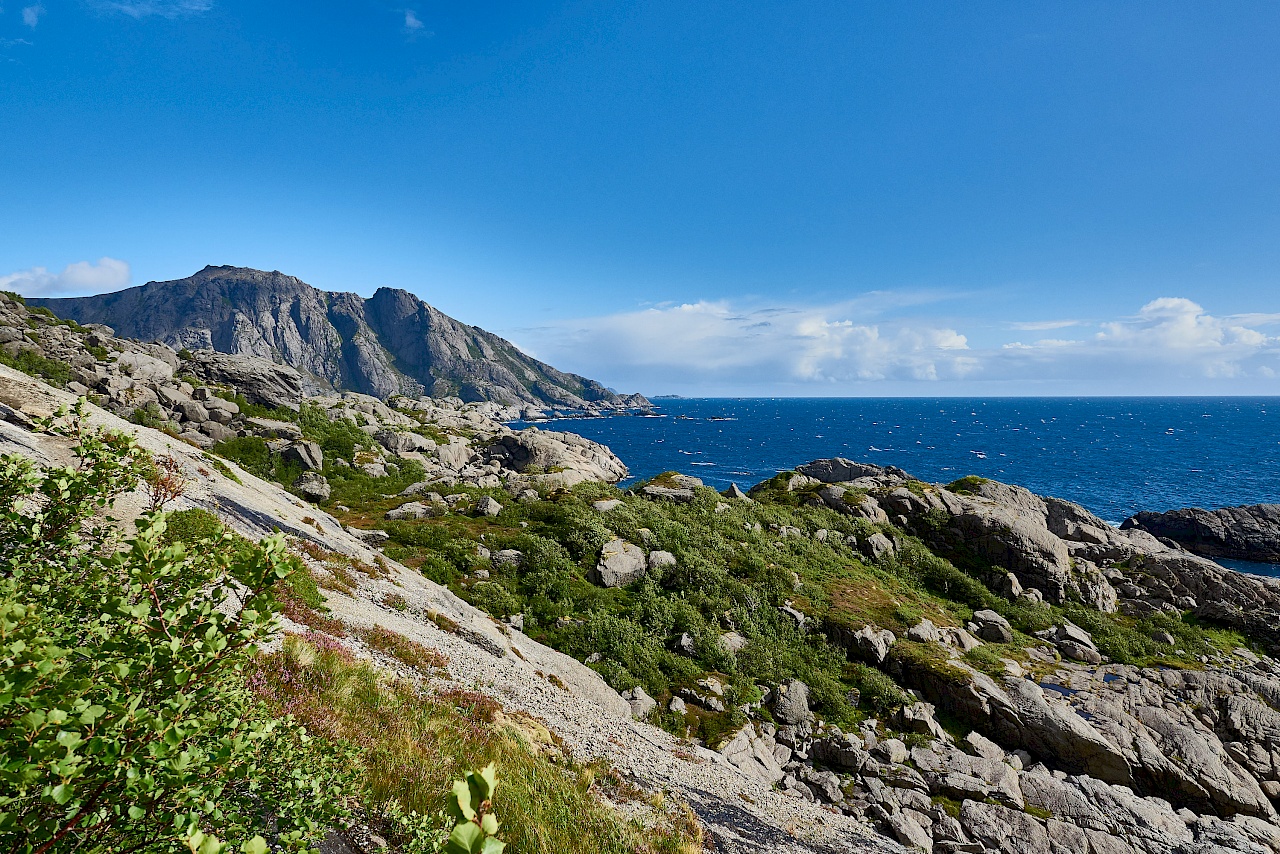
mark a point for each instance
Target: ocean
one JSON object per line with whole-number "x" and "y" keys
{"x": 1115, "y": 456}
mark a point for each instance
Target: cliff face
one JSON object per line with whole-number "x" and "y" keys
{"x": 391, "y": 343}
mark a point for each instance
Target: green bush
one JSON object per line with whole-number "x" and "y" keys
{"x": 30, "y": 362}
{"x": 126, "y": 721}
{"x": 879, "y": 693}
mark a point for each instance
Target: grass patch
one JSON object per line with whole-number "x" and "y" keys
{"x": 410, "y": 746}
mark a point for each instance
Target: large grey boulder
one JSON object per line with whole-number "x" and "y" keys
{"x": 312, "y": 486}
{"x": 487, "y": 505}
{"x": 399, "y": 442}
{"x": 992, "y": 627}
{"x": 413, "y": 510}
{"x": 620, "y": 564}
{"x": 873, "y": 644}
{"x": 661, "y": 560}
{"x": 753, "y": 754}
{"x": 791, "y": 702}
{"x": 877, "y": 545}
{"x": 1003, "y": 829}
{"x": 568, "y": 455}
{"x": 306, "y": 454}
{"x": 678, "y": 494}
{"x": 839, "y": 470}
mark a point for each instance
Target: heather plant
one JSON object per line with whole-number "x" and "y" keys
{"x": 125, "y": 721}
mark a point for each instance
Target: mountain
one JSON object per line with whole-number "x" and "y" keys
{"x": 390, "y": 343}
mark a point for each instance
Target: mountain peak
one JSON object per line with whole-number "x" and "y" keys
{"x": 390, "y": 343}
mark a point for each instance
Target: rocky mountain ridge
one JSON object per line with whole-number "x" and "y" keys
{"x": 390, "y": 343}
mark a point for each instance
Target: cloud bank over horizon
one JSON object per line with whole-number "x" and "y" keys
{"x": 876, "y": 344}
{"x": 1171, "y": 345}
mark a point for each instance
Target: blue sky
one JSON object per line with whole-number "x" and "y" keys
{"x": 774, "y": 198}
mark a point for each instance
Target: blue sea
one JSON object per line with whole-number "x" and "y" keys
{"x": 1115, "y": 456}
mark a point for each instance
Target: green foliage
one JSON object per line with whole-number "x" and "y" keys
{"x": 16, "y": 297}
{"x": 123, "y": 709}
{"x": 100, "y": 353}
{"x": 192, "y": 527}
{"x": 340, "y": 438}
{"x": 253, "y": 455}
{"x": 470, "y": 804}
{"x": 879, "y": 693}
{"x": 986, "y": 659}
{"x": 967, "y": 485}
{"x": 30, "y": 362}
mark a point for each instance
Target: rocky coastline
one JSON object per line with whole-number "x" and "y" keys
{"x": 1249, "y": 533}
{"x": 1007, "y": 717}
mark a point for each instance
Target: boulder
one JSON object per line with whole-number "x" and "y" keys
{"x": 620, "y": 564}
{"x": 306, "y": 454}
{"x": 839, "y": 470}
{"x": 401, "y": 442}
{"x": 1003, "y": 829}
{"x": 791, "y": 702}
{"x": 681, "y": 495}
{"x": 753, "y": 754}
{"x": 565, "y": 453}
{"x": 992, "y": 627}
{"x": 190, "y": 410}
{"x": 640, "y": 702}
{"x": 873, "y": 644}
{"x": 413, "y": 510}
{"x": 733, "y": 492}
{"x": 924, "y": 632}
{"x": 1246, "y": 533}
{"x": 661, "y": 559}
{"x": 488, "y": 506}
{"x": 877, "y": 545}
{"x": 312, "y": 486}
{"x": 508, "y": 557}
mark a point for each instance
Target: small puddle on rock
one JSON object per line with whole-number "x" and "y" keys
{"x": 1061, "y": 689}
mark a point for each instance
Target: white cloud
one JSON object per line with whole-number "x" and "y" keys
{"x": 414, "y": 27}
{"x": 82, "y": 277}
{"x": 714, "y": 343}
{"x": 31, "y": 14}
{"x": 1042, "y": 325}
{"x": 1170, "y": 346}
{"x": 158, "y": 8}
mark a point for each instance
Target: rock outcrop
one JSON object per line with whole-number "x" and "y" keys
{"x": 1067, "y": 750}
{"x": 390, "y": 343}
{"x": 1245, "y": 533}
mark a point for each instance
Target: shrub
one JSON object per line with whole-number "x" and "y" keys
{"x": 967, "y": 485}
{"x": 34, "y": 364}
{"x": 125, "y": 719}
